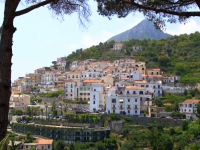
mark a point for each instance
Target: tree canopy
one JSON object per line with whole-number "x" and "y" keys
{"x": 158, "y": 11}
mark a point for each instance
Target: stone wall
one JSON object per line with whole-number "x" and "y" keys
{"x": 65, "y": 123}
{"x": 165, "y": 121}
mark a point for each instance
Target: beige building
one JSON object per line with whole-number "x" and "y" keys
{"x": 40, "y": 71}
{"x": 74, "y": 75}
{"x": 34, "y": 78}
{"x": 108, "y": 79}
{"x": 18, "y": 101}
{"x": 118, "y": 46}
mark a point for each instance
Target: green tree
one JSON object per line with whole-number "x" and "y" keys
{"x": 185, "y": 92}
{"x": 159, "y": 11}
{"x": 198, "y": 110}
{"x": 100, "y": 145}
{"x": 18, "y": 112}
{"x": 59, "y": 145}
{"x": 110, "y": 143}
{"x": 59, "y": 8}
{"x": 160, "y": 140}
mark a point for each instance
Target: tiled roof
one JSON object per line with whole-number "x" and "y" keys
{"x": 45, "y": 142}
{"x": 140, "y": 81}
{"x": 192, "y": 101}
{"x": 135, "y": 87}
{"x": 92, "y": 81}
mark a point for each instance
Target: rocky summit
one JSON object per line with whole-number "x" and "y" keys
{"x": 144, "y": 30}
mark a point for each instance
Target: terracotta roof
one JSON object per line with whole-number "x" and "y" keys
{"x": 129, "y": 62}
{"x": 75, "y": 72}
{"x": 110, "y": 75}
{"x": 192, "y": 101}
{"x": 45, "y": 142}
{"x": 135, "y": 87}
{"x": 140, "y": 81}
{"x": 92, "y": 81}
{"x": 155, "y": 75}
{"x": 125, "y": 78}
{"x": 41, "y": 69}
{"x": 156, "y": 69}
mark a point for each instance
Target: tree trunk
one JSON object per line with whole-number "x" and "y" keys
{"x": 7, "y": 31}
{"x": 198, "y": 3}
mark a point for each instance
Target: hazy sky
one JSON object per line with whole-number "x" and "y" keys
{"x": 41, "y": 39}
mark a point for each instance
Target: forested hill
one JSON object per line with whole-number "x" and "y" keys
{"x": 178, "y": 55}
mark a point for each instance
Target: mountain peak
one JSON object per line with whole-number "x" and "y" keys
{"x": 143, "y": 30}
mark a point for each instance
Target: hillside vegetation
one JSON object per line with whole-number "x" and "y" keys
{"x": 177, "y": 55}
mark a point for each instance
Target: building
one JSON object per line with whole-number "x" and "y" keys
{"x": 189, "y": 108}
{"x": 34, "y": 78}
{"x": 50, "y": 77}
{"x": 19, "y": 101}
{"x": 97, "y": 97}
{"x": 155, "y": 111}
{"x": 137, "y": 48}
{"x": 117, "y": 46}
{"x": 65, "y": 133}
{"x": 45, "y": 144}
{"x": 71, "y": 89}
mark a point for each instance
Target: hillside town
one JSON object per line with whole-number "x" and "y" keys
{"x": 124, "y": 87}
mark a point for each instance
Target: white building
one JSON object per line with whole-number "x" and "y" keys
{"x": 71, "y": 89}
{"x": 91, "y": 75}
{"x": 127, "y": 100}
{"x": 122, "y": 104}
{"x": 135, "y": 75}
{"x": 97, "y": 97}
{"x": 50, "y": 77}
{"x": 189, "y": 108}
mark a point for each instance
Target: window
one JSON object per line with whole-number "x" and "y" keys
{"x": 113, "y": 111}
{"x": 71, "y": 94}
{"x": 71, "y": 90}
{"x": 93, "y": 102}
{"x": 129, "y": 111}
{"x": 94, "y": 96}
{"x": 48, "y": 146}
{"x": 135, "y": 111}
{"x": 135, "y": 106}
{"x": 135, "y": 100}
{"x": 113, "y": 100}
{"x": 94, "y": 89}
{"x": 128, "y": 100}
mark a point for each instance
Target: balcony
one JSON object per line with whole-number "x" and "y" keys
{"x": 128, "y": 107}
{"x": 121, "y": 107}
{"x": 113, "y": 107}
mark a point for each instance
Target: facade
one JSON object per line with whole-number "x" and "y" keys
{"x": 68, "y": 134}
{"x": 127, "y": 100}
{"x": 71, "y": 90}
{"x": 19, "y": 101}
{"x": 118, "y": 46}
{"x": 137, "y": 48}
{"x": 97, "y": 97}
{"x": 189, "y": 108}
{"x": 50, "y": 77}
{"x": 35, "y": 78}
{"x": 40, "y": 71}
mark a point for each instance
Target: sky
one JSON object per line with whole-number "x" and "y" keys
{"x": 41, "y": 38}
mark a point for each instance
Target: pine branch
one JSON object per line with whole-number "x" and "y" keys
{"x": 26, "y": 10}
{"x": 186, "y": 14}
